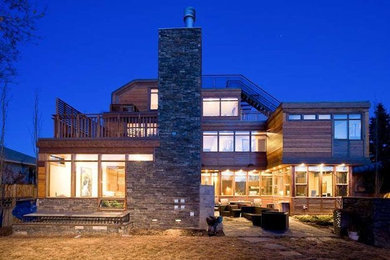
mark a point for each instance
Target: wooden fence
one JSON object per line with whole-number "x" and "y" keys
{"x": 14, "y": 193}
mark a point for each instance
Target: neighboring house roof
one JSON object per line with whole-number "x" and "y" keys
{"x": 18, "y": 157}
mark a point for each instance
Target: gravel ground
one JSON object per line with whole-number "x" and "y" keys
{"x": 173, "y": 246}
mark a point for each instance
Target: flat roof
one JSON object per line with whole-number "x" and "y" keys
{"x": 326, "y": 104}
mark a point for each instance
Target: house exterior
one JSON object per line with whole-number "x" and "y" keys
{"x": 171, "y": 147}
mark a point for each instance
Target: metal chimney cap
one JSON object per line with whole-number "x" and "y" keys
{"x": 189, "y": 16}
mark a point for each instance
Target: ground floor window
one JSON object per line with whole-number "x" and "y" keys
{"x": 59, "y": 179}
{"x": 227, "y": 183}
{"x": 300, "y": 181}
{"x": 113, "y": 179}
{"x": 240, "y": 183}
{"x": 89, "y": 175}
{"x": 341, "y": 181}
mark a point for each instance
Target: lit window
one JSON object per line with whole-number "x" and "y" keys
{"x": 294, "y": 117}
{"x": 300, "y": 181}
{"x": 314, "y": 181}
{"x": 347, "y": 128}
{"x": 140, "y": 157}
{"x": 258, "y": 142}
{"x": 153, "y": 99}
{"x": 210, "y": 142}
{"x": 86, "y": 179}
{"x": 240, "y": 183}
{"x": 59, "y": 179}
{"x": 266, "y": 185}
{"x": 309, "y": 117}
{"x": 113, "y": 179}
{"x": 206, "y": 179}
{"x": 324, "y": 117}
{"x": 113, "y": 157}
{"x": 253, "y": 184}
{"x": 242, "y": 141}
{"x": 86, "y": 157}
{"x": 226, "y": 140}
{"x": 229, "y": 107}
{"x": 59, "y": 157}
{"x": 227, "y": 183}
{"x": 327, "y": 181}
{"x": 211, "y": 107}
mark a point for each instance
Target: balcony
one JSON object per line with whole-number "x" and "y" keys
{"x": 106, "y": 125}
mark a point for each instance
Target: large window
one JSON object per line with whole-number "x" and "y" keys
{"x": 211, "y": 107}
{"x": 230, "y": 141}
{"x": 59, "y": 175}
{"x": 266, "y": 184}
{"x": 226, "y": 141}
{"x": 327, "y": 181}
{"x": 240, "y": 183}
{"x": 220, "y": 107}
{"x": 242, "y": 141}
{"x": 79, "y": 175}
{"x": 113, "y": 179}
{"x": 253, "y": 183}
{"x": 229, "y": 107}
{"x": 258, "y": 142}
{"x": 347, "y": 126}
{"x": 300, "y": 181}
{"x": 314, "y": 181}
{"x": 210, "y": 141}
{"x": 86, "y": 179}
{"x": 227, "y": 183}
{"x": 211, "y": 178}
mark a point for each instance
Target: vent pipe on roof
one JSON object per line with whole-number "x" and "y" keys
{"x": 189, "y": 17}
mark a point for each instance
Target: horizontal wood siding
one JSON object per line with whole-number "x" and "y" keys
{"x": 41, "y": 181}
{"x": 314, "y": 206}
{"x": 234, "y": 159}
{"x": 275, "y": 139}
{"x": 307, "y": 139}
{"x": 137, "y": 94}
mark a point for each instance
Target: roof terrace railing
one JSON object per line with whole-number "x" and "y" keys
{"x": 251, "y": 92}
{"x": 106, "y": 125}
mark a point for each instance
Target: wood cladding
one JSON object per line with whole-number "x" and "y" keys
{"x": 310, "y": 137}
{"x": 275, "y": 139}
{"x": 41, "y": 182}
{"x": 136, "y": 93}
{"x": 234, "y": 159}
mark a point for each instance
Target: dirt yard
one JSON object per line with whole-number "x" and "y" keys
{"x": 173, "y": 246}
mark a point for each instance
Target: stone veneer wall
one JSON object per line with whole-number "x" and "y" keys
{"x": 165, "y": 194}
{"x": 371, "y": 217}
{"x": 67, "y": 205}
{"x": 206, "y": 204}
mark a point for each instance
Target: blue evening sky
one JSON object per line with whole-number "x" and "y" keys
{"x": 296, "y": 50}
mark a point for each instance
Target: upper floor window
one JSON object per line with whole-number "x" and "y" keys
{"x": 153, "y": 99}
{"x": 294, "y": 117}
{"x": 309, "y": 117}
{"x": 347, "y": 126}
{"x": 220, "y": 106}
{"x": 234, "y": 141}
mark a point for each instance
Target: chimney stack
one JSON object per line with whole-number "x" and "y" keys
{"x": 189, "y": 17}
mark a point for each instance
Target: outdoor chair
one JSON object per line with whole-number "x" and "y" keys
{"x": 224, "y": 211}
{"x": 256, "y": 211}
{"x": 275, "y": 221}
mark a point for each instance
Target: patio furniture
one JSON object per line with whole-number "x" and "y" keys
{"x": 249, "y": 212}
{"x": 235, "y": 213}
{"x": 224, "y": 211}
{"x": 275, "y": 221}
{"x": 256, "y": 220}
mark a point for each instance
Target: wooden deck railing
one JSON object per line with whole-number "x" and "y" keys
{"x": 106, "y": 125}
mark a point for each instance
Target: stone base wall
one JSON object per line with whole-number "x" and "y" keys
{"x": 206, "y": 205}
{"x": 154, "y": 202}
{"x": 67, "y": 205}
{"x": 56, "y": 229}
{"x": 370, "y": 217}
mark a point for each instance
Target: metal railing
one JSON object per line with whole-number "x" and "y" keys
{"x": 106, "y": 125}
{"x": 251, "y": 92}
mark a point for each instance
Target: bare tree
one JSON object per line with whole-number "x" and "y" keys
{"x": 3, "y": 119}
{"x": 36, "y": 126}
